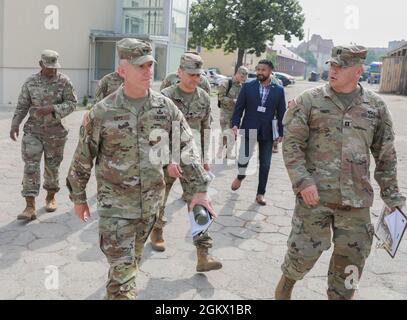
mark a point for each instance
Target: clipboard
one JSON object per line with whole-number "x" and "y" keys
{"x": 390, "y": 230}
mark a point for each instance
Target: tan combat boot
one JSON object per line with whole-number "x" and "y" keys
{"x": 284, "y": 288}
{"x": 29, "y": 212}
{"x": 50, "y": 203}
{"x": 157, "y": 240}
{"x": 205, "y": 262}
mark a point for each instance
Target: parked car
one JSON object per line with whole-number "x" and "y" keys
{"x": 214, "y": 77}
{"x": 285, "y": 78}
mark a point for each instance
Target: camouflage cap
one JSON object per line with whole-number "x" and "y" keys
{"x": 348, "y": 56}
{"x": 136, "y": 51}
{"x": 49, "y": 58}
{"x": 243, "y": 71}
{"x": 192, "y": 63}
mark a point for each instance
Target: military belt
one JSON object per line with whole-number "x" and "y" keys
{"x": 334, "y": 206}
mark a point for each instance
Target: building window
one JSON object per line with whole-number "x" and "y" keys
{"x": 179, "y": 22}
{"x": 143, "y": 17}
{"x": 105, "y": 57}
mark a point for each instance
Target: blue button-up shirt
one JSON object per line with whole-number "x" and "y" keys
{"x": 264, "y": 93}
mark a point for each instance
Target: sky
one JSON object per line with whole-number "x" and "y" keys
{"x": 371, "y": 23}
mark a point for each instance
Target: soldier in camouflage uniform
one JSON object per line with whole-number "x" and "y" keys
{"x": 328, "y": 135}
{"x": 109, "y": 84}
{"x": 228, "y": 92}
{"x": 131, "y": 184}
{"x": 48, "y": 97}
{"x": 195, "y": 104}
{"x": 173, "y": 79}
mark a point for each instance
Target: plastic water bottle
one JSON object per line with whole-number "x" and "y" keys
{"x": 201, "y": 215}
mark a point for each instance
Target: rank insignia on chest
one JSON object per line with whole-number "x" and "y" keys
{"x": 347, "y": 123}
{"x": 122, "y": 118}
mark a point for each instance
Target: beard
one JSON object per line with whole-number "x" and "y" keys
{"x": 261, "y": 78}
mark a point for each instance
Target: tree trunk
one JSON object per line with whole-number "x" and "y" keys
{"x": 240, "y": 56}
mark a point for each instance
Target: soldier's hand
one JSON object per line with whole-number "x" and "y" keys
{"x": 310, "y": 196}
{"x": 203, "y": 200}
{"x": 83, "y": 212}
{"x": 174, "y": 171}
{"x": 206, "y": 167}
{"x": 44, "y": 111}
{"x": 14, "y": 133}
{"x": 292, "y": 104}
{"x": 86, "y": 119}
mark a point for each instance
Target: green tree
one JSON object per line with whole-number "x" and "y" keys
{"x": 244, "y": 25}
{"x": 273, "y": 58}
{"x": 371, "y": 57}
{"x": 310, "y": 58}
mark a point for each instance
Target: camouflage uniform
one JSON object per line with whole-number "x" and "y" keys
{"x": 327, "y": 144}
{"x": 131, "y": 187}
{"x": 227, "y": 98}
{"x": 173, "y": 79}
{"x": 198, "y": 115}
{"x": 108, "y": 85}
{"x": 44, "y": 134}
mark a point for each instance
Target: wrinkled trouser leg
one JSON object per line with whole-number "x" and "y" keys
{"x": 310, "y": 237}
{"x": 353, "y": 237}
{"x": 53, "y": 156}
{"x": 246, "y": 152}
{"x": 31, "y": 150}
{"x": 121, "y": 241}
{"x": 162, "y": 220}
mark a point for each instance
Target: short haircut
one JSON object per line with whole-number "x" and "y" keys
{"x": 267, "y": 62}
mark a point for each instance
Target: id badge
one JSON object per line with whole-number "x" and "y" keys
{"x": 261, "y": 109}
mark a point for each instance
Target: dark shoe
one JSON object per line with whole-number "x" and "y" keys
{"x": 260, "y": 200}
{"x": 205, "y": 262}
{"x": 284, "y": 288}
{"x": 236, "y": 184}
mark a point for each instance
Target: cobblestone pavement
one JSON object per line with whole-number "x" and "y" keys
{"x": 57, "y": 256}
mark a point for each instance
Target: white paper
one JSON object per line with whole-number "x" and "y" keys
{"x": 211, "y": 175}
{"x": 276, "y": 134}
{"x": 390, "y": 230}
{"x": 197, "y": 229}
{"x": 396, "y": 223}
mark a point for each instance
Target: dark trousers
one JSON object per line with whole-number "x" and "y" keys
{"x": 265, "y": 154}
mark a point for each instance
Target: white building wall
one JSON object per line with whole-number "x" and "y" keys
{"x": 25, "y": 36}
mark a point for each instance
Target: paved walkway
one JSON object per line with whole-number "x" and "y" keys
{"x": 57, "y": 256}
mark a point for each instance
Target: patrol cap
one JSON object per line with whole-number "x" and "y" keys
{"x": 135, "y": 51}
{"x": 49, "y": 58}
{"x": 192, "y": 63}
{"x": 243, "y": 71}
{"x": 348, "y": 56}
